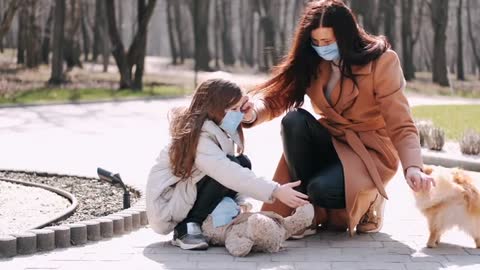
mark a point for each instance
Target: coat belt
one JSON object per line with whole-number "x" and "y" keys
{"x": 354, "y": 141}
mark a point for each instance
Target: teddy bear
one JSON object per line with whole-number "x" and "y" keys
{"x": 259, "y": 231}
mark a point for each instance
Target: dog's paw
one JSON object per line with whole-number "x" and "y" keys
{"x": 432, "y": 244}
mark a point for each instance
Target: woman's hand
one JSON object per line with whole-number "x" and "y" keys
{"x": 249, "y": 112}
{"x": 417, "y": 180}
{"x": 286, "y": 194}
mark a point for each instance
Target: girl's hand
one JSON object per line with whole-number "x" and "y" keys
{"x": 286, "y": 194}
{"x": 417, "y": 180}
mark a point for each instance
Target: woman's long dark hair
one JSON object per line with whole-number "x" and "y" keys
{"x": 209, "y": 101}
{"x": 286, "y": 89}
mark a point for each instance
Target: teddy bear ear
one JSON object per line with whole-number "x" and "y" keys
{"x": 238, "y": 246}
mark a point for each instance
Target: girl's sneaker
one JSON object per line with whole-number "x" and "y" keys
{"x": 192, "y": 239}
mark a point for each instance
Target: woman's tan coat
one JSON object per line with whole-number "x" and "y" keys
{"x": 372, "y": 129}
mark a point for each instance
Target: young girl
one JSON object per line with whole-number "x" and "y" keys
{"x": 198, "y": 168}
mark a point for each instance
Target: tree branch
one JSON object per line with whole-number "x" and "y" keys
{"x": 8, "y": 16}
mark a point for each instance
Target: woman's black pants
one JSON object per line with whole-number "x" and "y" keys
{"x": 209, "y": 194}
{"x": 311, "y": 158}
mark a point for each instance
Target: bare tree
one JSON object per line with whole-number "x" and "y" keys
{"x": 135, "y": 56}
{"x": 199, "y": 11}
{"x": 179, "y": 31}
{"x": 47, "y": 36}
{"x": 409, "y": 37}
{"x": 475, "y": 50}
{"x": 8, "y": 15}
{"x": 247, "y": 32}
{"x": 388, "y": 11}
{"x": 32, "y": 41}
{"x": 72, "y": 51}
{"x": 226, "y": 30}
{"x": 369, "y": 14}
{"x": 85, "y": 31}
{"x": 460, "y": 69}
{"x": 269, "y": 51}
{"x": 57, "y": 76}
{"x": 22, "y": 34}
{"x": 171, "y": 32}
{"x": 439, "y": 17}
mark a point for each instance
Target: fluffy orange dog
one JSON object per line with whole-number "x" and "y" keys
{"x": 455, "y": 201}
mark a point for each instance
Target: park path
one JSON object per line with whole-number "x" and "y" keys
{"x": 127, "y": 136}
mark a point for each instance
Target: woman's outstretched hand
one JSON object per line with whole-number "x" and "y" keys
{"x": 417, "y": 180}
{"x": 286, "y": 194}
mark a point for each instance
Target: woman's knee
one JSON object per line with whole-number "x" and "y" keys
{"x": 242, "y": 160}
{"x": 325, "y": 194}
{"x": 295, "y": 120}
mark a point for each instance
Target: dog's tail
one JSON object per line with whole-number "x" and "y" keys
{"x": 471, "y": 193}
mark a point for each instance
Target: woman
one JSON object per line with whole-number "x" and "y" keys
{"x": 347, "y": 156}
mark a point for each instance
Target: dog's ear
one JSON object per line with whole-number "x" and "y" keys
{"x": 427, "y": 169}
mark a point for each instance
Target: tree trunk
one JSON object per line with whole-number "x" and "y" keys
{"x": 57, "y": 46}
{"x": 7, "y": 17}
{"x": 171, "y": 35}
{"x": 476, "y": 53}
{"x": 118, "y": 49}
{"x": 388, "y": 10}
{"x": 439, "y": 14}
{"x": 98, "y": 26}
{"x": 268, "y": 30}
{"x": 47, "y": 36}
{"x": 200, "y": 13}
{"x": 216, "y": 34}
{"x": 136, "y": 52}
{"x": 179, "y": 31}
{"x": 85, "y": 32}
{"x": 32, "y": 36}
{"x": 368, "y": 13}
{"x": 22, "y": 34}
{"x": 460, "y": 69}
{"x": 227, "y": 43}
{"x": 138, "y": 49}
{"x": 72, "y": 51}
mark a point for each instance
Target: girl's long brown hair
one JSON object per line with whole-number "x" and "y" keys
{"x": 291, "y": 78}
{"x": 209, "y": 101}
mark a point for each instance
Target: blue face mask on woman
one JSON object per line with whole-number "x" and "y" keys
{"x": 231, "y": 121}
{"x": 328, "y": 52}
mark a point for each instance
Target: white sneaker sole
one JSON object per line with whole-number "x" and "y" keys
{"x": 199, "y": 246}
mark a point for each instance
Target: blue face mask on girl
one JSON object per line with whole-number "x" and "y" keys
{"x": 231, "y": 121}
{"x": 328, "y": 52}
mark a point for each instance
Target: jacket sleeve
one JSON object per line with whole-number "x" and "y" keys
{"x": 214, "y": 162}
{"x": 262, "y": 111}
{"x": 389, "y": 85}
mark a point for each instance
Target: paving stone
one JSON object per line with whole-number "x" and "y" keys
{"x": 106, "y": 227}
{"x": 276, "y": 266}
{"x": 227, "y": 265}
{"x": 45, "y": 239}
{"x": 8, "y": 246}
{"x": 366, "y": 266}
{"x": 423, "y": 266}
{"x": 127, "y": 221}
{"x": 211, "y": 257}
{"x": 118, "y": 225}
{"x": 135, "y": 218}
{"x": 62, "y": 236}
{"x": 26, "y": 243}
{"x": 78, "y": 234}
{"x": 313, "y": 266}
{"x": 93, "y": 230}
